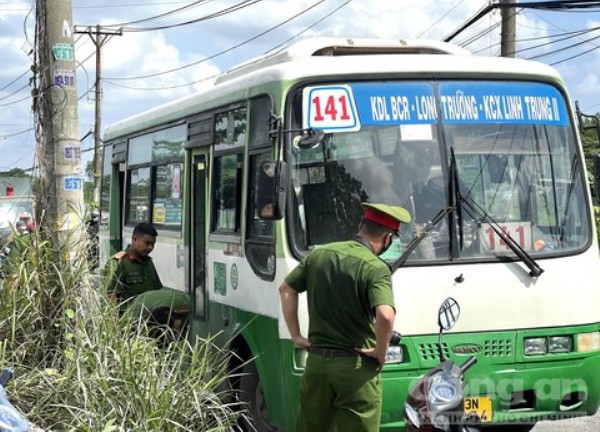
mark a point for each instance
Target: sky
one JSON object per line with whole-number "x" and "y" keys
{"x": 207, "y": 37}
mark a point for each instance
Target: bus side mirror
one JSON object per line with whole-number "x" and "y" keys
{"x": 597, "y": 178}
{"x": 273, "y": 178}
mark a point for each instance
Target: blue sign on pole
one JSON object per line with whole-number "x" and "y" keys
{"x": 73, "y": 183}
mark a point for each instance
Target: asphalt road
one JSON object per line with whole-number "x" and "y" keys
{"x": 581, "y": 424}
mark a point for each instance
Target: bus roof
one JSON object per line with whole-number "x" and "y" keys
{"x": 325, "y": 58}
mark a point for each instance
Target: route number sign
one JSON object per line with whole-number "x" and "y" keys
{"x": 330, "y": 108}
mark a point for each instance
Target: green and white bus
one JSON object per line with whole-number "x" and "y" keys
{"x": 244, "y": 178}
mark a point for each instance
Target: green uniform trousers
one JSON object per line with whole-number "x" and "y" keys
{"x": 343, "y": 392}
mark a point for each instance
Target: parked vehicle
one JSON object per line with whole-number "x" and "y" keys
{"x": 436, "y": 402}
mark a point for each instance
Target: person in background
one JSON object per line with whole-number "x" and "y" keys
{"x": 131, "y": 272}
{"x": 28, "y": 220}
{"x": 351, "y": 316}
{"x": 132, "y": 280}
{"x": 15, "y": 253}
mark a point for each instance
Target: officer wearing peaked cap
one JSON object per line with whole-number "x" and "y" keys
{"x": 131, "y": 272}
{"x": 386, "y": 215}
{"x": 132, "y": 280}
{"x": 351, "y": 316}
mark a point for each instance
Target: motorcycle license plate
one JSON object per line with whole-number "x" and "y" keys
{"x": 480, "y": 405}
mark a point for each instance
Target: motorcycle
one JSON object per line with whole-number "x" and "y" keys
{"x": 11, "y": 420}
{"x": 436, "y": 402}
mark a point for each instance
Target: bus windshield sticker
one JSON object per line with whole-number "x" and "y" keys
{"x": 416, "y": 132}
{"x": 348, "y": 107}
{"x": 330, "y": 108}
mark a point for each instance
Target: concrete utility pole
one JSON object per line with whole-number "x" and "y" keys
{"x": 99, "y": 40}
{"x": 58, "y": 122}
{"x": 509, "y": 29}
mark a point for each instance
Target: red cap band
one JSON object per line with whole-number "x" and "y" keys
{"x": 382, "y": 219}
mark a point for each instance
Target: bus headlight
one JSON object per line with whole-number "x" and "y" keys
{"x": 559, "y": 344}
{"x": 536, "y": 346}
{"x": 587, "y": 342}
{"x": 394, "y": 355}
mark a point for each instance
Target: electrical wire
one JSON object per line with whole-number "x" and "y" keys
{"x": 549, "y": 5}
{"x": 564, "y": 48}
{"x": 563, "y": 6}
{"x": 14, "y": 93}
{"x": 479, "y": 35}
{"x": 440, "y": 18}
{"x": 163, "y": 15}
{"x": 561, "y": 37}
{"x": 319, "y": 21}
{"x": 230, "y": 9}
{"x": 218, "y": 54}
{"x": 110, "y": 81}
{"x": 15, "y": 80}
{"x": 574, "y": 56}
{"x": 16, "y": 133}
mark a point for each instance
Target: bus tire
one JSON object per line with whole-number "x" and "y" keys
{"x": 251, "y": 393}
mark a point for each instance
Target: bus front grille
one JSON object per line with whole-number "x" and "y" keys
{"x": 498, "y": 348}
{"x": 430, "y": 351}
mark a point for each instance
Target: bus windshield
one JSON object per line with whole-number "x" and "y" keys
{"x": 515, "y": 156}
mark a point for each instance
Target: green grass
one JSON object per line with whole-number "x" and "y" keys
{"x": 80, "y": 366}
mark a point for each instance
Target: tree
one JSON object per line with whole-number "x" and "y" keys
{"x": 14, "y": 172}
{"x": 590, "y": 139}
{"x": 88, "y": 185}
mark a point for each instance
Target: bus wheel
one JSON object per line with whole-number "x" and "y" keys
{"x": 252, "y": 394}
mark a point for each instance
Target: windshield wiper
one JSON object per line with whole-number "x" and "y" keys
{"x": 477, "y": 213}
{"x": 575, "y": 167}
{"x": 415, "y": 242}
{"x": 474, "y": 211}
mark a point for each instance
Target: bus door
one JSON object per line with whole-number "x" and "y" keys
{"x": 198, "y": 235}
{"x": 122, "y": 183}
{"x": 115, "y": 163}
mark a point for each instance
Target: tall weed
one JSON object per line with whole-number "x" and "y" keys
{"x": 81, "y": 366}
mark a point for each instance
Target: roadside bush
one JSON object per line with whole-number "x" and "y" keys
{"x": 80, "y": 366}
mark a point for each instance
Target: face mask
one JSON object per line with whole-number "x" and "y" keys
{"x": 386, "y": 246}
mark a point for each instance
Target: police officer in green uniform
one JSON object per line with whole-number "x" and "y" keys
{"x": 131, "y": 272}
{"x": 351, "y": 316}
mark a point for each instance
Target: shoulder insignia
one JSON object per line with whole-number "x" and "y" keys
{"x": 120, "y": 255}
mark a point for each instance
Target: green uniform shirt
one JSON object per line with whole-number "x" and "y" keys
{"x": 129, "y": 275}
{"x": 143, "y": 304}
{"x": 344, "y": 282}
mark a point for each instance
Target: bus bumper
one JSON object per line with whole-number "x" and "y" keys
{"x": 520, "y": 393}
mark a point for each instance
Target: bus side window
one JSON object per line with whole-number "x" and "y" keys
{"x": 260, "y": 242}
{"x": 226, "y": 193}
{"x": 138, "y": 196}
{"x": 260, "y": 247}
{"x": 229, "y": 139}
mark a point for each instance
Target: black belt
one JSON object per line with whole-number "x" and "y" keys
{"x": 333, "y": 352}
